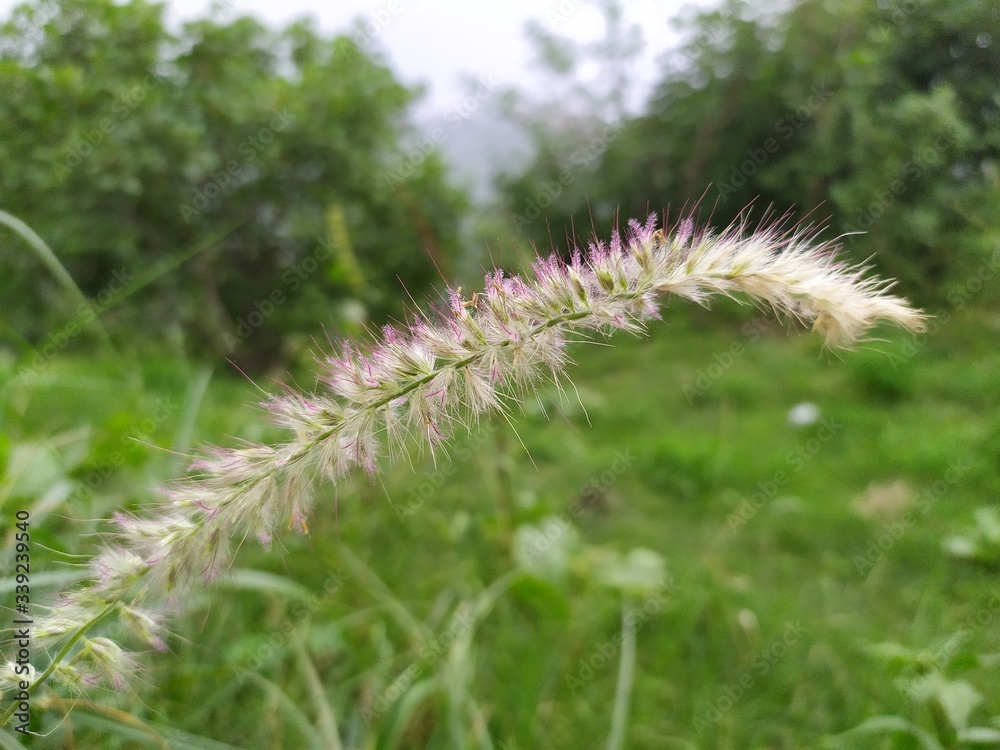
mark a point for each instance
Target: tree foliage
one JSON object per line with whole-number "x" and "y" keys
{"x": 234, "y": 170}
{"x": 884, "y": 117}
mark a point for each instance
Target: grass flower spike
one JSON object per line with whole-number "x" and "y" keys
{"x": 450, "y": 368}
{"x": 447, "y": 368}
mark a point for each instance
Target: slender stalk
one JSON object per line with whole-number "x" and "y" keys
{"x": 52, "y": 262}
{"x": 58, "y": 658}
{"x": 326, "y": 720}
{"x": 626, "y": 675}
{"x": 106, "y": 712}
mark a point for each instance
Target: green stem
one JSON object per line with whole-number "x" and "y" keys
{"x": 83, "y": 630}
{"x": 626, "y": 675}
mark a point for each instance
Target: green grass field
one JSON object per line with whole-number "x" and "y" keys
{"x": 411, "y": 616}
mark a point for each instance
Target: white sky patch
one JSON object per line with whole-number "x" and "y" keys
{"x": 439, "y": 43}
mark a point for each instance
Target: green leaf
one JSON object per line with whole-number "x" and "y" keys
{"x": 981, "y": 542}
{"x": 31, "y": 470}
{"x": 895, "y": 725}
{"x": 960, "y": 546}
{"x": 980, "y": 736}
{"x": 547, "y": 548}
{"x": 271, "y": 583}
{"x": 9, "y": 742}
{"x": 290, "y": 708}
{"x": 957, "y": 699}
{"x": 642, "y": 572}
{"x": 543, "y": 595}
{"x": 181, "y": 740}
{"x": 894, "y": 654}
{"x": 988, "y": 523}
{"x": 46, "y": 579}
{"x": 406, "y": 705}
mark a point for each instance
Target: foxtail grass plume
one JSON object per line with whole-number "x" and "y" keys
{"x": 418, "y": 385}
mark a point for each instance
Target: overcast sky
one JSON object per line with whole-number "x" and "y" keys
{"x": 435, "y": 41}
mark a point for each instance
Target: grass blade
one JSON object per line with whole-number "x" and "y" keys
{"x": 626, "y": 679}
{"x": 327, "y": 721}
{"x": 269, "y": 583}
{"x": 51, "y": 261}
{"x": 192, "y": 405}
{"x": 383, "y": 594}
{"x": 124, "y": 724}
{"x": 9, "y": 742}
{"x": 294, "y": 714}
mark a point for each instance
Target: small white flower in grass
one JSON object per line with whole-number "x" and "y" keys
{"x": 804, "y": 414}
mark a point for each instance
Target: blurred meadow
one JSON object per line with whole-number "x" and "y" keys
{"x": 724, "y": 536}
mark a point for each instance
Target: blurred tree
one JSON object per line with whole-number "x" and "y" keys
{"x": 207, "y": 163}
{"x": 884, "y": 117}
{"x": 587, "y": 87}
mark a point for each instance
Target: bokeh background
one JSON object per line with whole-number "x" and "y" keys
{"x": 725, "y": 537}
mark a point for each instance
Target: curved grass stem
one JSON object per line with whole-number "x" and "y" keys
{"x": 57, "y": 660}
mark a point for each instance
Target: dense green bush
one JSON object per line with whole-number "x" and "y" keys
{"x": 230, "y": 167}
{"x": 883, "y": 117}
